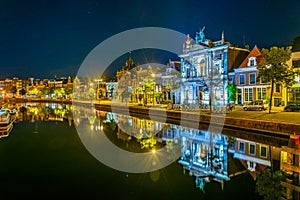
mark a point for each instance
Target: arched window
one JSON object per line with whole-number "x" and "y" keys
{"x": 202, "y": 67}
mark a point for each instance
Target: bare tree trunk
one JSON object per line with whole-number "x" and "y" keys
{"x": 271, "y": 96}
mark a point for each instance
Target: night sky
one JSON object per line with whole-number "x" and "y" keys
{"x": 43, "y": 39}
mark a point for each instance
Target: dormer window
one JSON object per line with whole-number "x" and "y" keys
{"x": 252, "y": 62}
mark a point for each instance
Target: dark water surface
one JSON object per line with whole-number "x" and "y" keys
{"x": 46, "y": 159}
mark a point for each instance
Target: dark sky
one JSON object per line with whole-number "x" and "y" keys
{"x": 43, "y": 38}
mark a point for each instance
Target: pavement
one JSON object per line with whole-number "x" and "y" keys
{"x": 277, "y": 115}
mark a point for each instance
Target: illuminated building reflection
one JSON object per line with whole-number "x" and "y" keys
{"x": 204, "y": 155}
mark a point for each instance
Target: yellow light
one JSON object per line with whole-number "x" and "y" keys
{"x": 153, "y": 151}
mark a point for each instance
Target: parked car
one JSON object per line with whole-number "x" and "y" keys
{"x": 256, "y": 105}
{"x": 292, "y": 107}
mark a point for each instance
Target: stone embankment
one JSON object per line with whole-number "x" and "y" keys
{"x": 267, "y": 127}
{"x": 271, "y": 128}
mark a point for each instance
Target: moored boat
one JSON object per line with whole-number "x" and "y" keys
{"x": 7, "y": 118}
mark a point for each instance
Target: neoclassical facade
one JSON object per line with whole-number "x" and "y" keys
{"x": 205, "y": 65}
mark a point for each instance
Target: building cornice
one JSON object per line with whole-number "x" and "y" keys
{"x": 247, "y": 69}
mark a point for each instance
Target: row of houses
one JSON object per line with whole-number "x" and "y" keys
{"x": 205, "y": 69}
{"x": 32, "y": 87}
{"x": 250, "y": 87}
{"x": 201, "y": 76}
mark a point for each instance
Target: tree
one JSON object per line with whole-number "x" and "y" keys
{"x": 91, "y": 93}
{"x": 274, "y": 68}
{"x": 231, "y": 88}
{"x": 45, "y": 91}
{"x": 268, "y": 184}
{"x": 296, "y": 44}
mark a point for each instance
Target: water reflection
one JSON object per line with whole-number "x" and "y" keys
{"x": 205, "y": 156}
{"x": 44, "y": 112}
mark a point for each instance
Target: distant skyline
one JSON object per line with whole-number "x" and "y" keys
{"x": 43, "y": 38}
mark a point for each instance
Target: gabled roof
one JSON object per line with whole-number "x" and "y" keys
{"x": 255, "y": 52}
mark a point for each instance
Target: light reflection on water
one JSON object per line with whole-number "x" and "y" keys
{"x": 208, "y": 161}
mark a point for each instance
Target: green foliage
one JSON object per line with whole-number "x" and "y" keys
{"x": 91, "y": 93}
{"x": 231, "y": 88}
{"x": 45, "y": 91}
{"x": 34, "y": 91}
{"x": 268, "y": 184}
{"x": 230, "y": 139}
{"x": 59, "y": 92}
{"x": 275, "y": 66}
{"x": 148, "y": 143}
{"x": 274, "y": 69}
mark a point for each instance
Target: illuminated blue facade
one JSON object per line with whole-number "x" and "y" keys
{"x": 205, "y": 155}
{"x": 204, "y": 69}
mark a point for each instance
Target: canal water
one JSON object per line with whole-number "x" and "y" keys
{"x": 44, "y": 157}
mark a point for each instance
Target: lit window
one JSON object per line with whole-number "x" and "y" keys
{"x": 284, "y": 157}
{"x": 251, "y": 62}
{"x": 248, "y": 94}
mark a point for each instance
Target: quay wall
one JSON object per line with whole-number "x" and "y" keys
{"x": 268, "y": 127}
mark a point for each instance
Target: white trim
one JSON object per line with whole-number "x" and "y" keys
{"x": 252, "y": 169}
{"x": 246, "y": 69}
{"x": 251, "y": 59}
{"x": 251, "y": 158}
{"x": 253, "y": 86}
